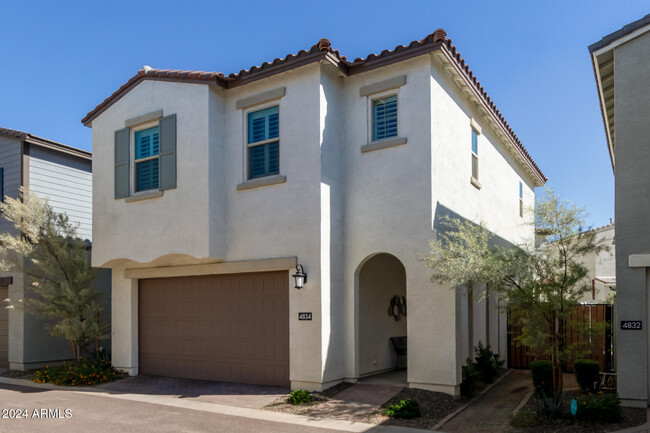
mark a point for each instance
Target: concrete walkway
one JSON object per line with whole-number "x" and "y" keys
{"x": 357, "y": 402}
{"x": 491, "y": 411}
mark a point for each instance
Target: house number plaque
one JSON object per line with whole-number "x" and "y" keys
{"x": 631, "y": 324}
{"x": 304, "y": 316}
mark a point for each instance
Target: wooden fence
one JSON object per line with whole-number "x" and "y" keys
{"x": 520, "y": 356}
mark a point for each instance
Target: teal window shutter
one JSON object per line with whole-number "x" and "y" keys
{"x": 147, "y": 149}
{"x": 122, "y": 163}
{"x": 384, "y": 118}
{"x": 263, "y": 128}
{"x": 521, "y": 191}
{"x": 167, "y": 171}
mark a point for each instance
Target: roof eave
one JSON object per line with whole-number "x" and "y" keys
{"x": 495, "y": 121}
{"x": 603, "y": 111}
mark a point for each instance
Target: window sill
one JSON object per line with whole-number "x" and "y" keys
{"x": 144, "y": 196}
{"x": 383, "y": 144}
{"x": 474, "y": 181}
{"x": 264, "y": 181}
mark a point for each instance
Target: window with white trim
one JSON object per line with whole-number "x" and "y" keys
{"x": 263, "y": 144}
{"x": 384, "y": 117}
{"x": 521, "y": 200}
{"x": 146, "y": 161}
{"x": 474, "y": 154}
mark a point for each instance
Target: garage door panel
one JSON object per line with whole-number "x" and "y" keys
{"x": 226, "y": 328}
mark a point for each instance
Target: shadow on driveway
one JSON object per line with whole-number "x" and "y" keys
{"x": 230, "y": 394}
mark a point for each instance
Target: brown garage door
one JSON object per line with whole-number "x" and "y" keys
{"x": 232, "y": 328}
{"x": 4, "y": 327}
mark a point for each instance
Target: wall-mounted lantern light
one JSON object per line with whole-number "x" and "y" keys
{"x": 300, "y": 276}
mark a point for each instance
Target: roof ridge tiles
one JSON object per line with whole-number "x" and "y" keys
{"x": 435, "y": 40}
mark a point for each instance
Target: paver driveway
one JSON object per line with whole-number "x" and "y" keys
{"x": 229, "y": 394}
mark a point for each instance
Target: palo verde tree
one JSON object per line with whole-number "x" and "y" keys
{"x": 541, "y": 282}
{"x": 56, "y": 265}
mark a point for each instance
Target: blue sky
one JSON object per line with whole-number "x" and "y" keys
{"x": 61, "y": 59}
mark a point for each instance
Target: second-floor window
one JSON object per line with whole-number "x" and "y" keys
{"x": 384, "y": 118}
{"x": 147, "y": 150}
{"x": 521, "y": 200}
{"x": 474, "y": 154}
{"x": 263, "y": 143}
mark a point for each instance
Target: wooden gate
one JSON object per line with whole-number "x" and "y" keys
{"x": 520, "y": 356}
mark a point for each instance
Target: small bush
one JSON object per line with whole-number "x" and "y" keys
{"x": 83, "y": 373}
{"x": 404, "y": 409}
{"x": 299, "y": 396}
{"x": 550, "y": 407}
{"x": 600, "y": 408}
{"x": 587, "y": 374}
{"x": 542, "y": 372}
{"x": 470, "y": 377}
{"x": 487, "y": 363}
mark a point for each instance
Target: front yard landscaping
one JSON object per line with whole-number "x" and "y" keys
{"x": 529, "y": 420}
{"x": 82, "y": 373}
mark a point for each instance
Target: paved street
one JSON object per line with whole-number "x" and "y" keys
{"x": 104, "y": 412}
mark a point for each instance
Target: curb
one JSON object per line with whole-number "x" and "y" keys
{"x": 446, "y": 419}
{"x": 523, "y": 402}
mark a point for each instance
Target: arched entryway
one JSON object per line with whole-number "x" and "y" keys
{"x": 381, "y": 313}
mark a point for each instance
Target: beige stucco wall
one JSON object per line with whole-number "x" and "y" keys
{"x": 337, "y": 208}
{"x": 602, "y": 264}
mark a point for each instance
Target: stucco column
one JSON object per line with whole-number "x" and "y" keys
{"x": 124, "y": 322}
{"x": 432, "y": 333}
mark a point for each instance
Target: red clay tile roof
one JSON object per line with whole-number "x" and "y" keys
{"x": 322, "y": 51}
{"x": 34, "y": 139}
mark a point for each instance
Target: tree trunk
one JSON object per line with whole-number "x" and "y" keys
{"x": 74, "y": 351}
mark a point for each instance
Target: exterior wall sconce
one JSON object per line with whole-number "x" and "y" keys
{"x": 300, "y": 276}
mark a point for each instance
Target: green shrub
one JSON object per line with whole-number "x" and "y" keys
{"x": 404, "y": 409}
{"x": 601, "y": 408}
{"x": 587, "y": 374}
{"x": 550, "y": 407}
{"x": 487, "y": 363}
{"x": 542, "y": 372}
{"x": 83, "y": 373}
{"x": 299, "y": 396}
{"x": 470, "y": 377}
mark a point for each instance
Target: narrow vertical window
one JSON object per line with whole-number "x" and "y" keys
{"x": 263, "y": 143}
{"x": 474, "y": 154}
{"x": 521, "y": 200}
{"x": 146, "y": 159}
{"x": 2, "y": 184}
{"x": 384, "y": 118}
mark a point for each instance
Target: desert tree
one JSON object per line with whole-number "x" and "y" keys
{"x": 55, "y": 262}
{"x": 542, "y": 282}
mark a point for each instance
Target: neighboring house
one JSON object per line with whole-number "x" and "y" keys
{"x": 210, "y": 190}
{"x": 622, "y": 68}
{"x": 601, "y": 269}
{"x": 63, "y": 175}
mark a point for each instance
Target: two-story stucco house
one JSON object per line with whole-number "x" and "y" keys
{"x": 62, "y": 174}
{"x": 622, "y": 68}
{"x": 211, "y": 191}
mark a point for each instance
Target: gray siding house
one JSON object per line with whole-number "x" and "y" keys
{"x": 63, "y": 175}
{"x": 621, "y": 63}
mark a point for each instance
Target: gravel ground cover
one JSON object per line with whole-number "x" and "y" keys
{"x": 566, "y": 424}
